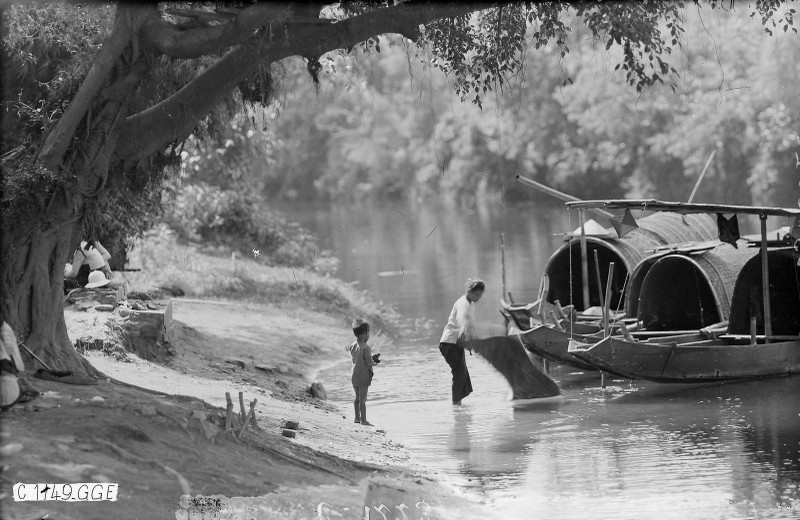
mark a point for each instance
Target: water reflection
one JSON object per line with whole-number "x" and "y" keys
{"x": 481, "y": 462}
{"x": 665, "y": 453}
{"x": 629, "y": 451}
{"x": 437, "y": 248}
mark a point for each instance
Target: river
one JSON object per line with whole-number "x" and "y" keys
{"x": 633, "y": 450}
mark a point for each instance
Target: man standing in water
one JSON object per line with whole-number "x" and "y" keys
{"x": 460, "y": 329}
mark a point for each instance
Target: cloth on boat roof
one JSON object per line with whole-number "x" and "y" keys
{"x": 591, "y": 228}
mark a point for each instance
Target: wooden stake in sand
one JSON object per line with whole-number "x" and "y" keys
{"x": 243, "y": 415}
{"x": 228, "y": 412}
{"x": 249, "y": 417}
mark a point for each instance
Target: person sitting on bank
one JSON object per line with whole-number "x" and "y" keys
{"x": 460, "y": 329}
{"x": 363, "y": 361}
{"x": 12, "y": 391}
{"x": 89, "y": 257}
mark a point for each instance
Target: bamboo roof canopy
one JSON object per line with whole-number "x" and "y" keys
{"x": 688, "y": 209}
{"x": 681, "y": 291}
{"x": 655, "y": 231}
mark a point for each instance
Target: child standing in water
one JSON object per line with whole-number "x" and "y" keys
{"x": 363, "y": 361}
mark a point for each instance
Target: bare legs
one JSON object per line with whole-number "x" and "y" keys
{"x": 360, "y": 404}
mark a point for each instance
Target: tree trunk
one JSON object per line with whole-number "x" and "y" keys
{"x": 32, "y": 282}
{"x": 36, "y": 248}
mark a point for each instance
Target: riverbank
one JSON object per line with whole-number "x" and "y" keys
{"x": 161, "y": 438}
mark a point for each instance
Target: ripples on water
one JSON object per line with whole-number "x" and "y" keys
{"x": 631, "y": 451}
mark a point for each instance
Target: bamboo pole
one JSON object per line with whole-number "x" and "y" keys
{"x": 606, "y": 309}
{"x": 702, "y": 174}
{"x": 765, "y": 278}
{"x": 560, "y": 311}
{"x": 503, "y": 262}
{"x": 599, "y": 281}
{"x": 555, "y": 321}
{"x": 558, "y": 194}
{"x": 584, "y": 261}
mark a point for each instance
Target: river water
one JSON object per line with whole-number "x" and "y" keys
{"x": 629, "y": 451}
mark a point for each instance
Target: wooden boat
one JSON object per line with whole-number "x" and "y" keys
{"x": 689, "y": 359}
{"x": 572, "y": 280}
{"x": 552, "y": 344}
{"x": 567, "y": 269}
{"x": 676, "y": 289}
{"x": 758, "y": 342}
{"x": 549, "y": 340}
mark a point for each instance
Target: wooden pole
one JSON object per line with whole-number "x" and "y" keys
{"x": 702, "y": 174}
{"x": 559, "y": 195}
{"x": 765, "y": 279}
{"x": 248, "y": 418}
{"x": 544, "y": 289}
{"x": 555, "y": 321}
{"x": 606, "y": 309}
{"x": 560, "y": 310}
{"x": 228, "y": 411}
{"x": 243, "y": 417}
{"x": 584, "y": 261}
{"x": 599, "y": 281}
{"x": 503, "y": 262}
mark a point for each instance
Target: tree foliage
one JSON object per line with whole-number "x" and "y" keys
{"x": 385, "y": 124}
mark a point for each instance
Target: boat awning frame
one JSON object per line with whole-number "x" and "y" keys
{"x": 681, "y": 207}
{"x": 690, "y": 207}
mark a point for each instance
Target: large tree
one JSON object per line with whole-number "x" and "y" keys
{"x": 87, "y": 152}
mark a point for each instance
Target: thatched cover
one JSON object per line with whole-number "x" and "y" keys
{"x": 784, "y": 287}
{"x": 681, "y": 291}
{"x": 655, "y": 230}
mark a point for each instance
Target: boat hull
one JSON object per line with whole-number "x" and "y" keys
{"x": 690, "y": 362}
{"x": 553, "y": 344}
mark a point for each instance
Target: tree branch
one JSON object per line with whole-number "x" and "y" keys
{"x": 173, "y": 119}
{"x": 59, "y": 139}
{"x": 168, "y": 39}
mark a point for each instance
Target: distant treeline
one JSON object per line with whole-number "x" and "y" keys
{"x": 388, "y": 126}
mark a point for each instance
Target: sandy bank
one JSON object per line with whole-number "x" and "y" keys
{"x": 155, "y": 444}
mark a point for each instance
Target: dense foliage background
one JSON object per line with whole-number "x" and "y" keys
{"x": 386, "y": 124}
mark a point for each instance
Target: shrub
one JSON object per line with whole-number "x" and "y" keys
{"x": 235, "y": 220}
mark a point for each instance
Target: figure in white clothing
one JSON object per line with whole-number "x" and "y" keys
{"x": 460, "y": 329}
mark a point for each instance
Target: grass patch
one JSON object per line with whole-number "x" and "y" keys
{"x": 173, "y": 266}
